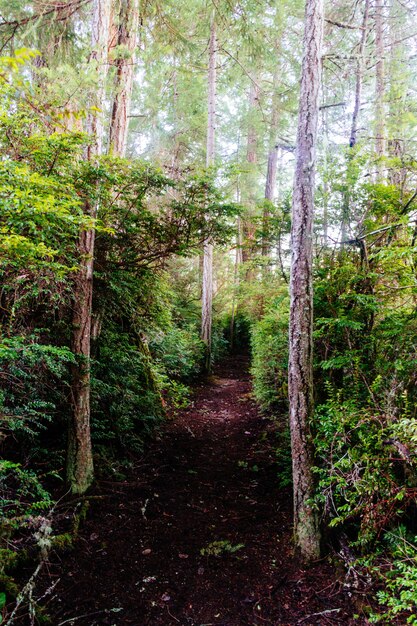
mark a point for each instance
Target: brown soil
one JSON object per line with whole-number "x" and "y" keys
{"x": 143, "y": 554}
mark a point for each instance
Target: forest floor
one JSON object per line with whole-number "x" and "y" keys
{"x": 146, "y": 554}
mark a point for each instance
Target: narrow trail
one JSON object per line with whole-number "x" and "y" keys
{"x": 145, "y": 553}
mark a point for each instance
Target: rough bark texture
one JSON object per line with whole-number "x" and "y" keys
{"x": 300, "y": 378}
{"x": 207, "y": 286}
{"x": 127, "y": 37}
{"x": 79, "y": 457}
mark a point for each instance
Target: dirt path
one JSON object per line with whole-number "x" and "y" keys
{"x": 146, "y": 555}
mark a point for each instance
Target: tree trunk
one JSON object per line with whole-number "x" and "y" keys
{"x": 271, "y": 172}
{"x": 398, "y": 101}
{"x": 79, "y": 458}
{"x": 360, "y": 68}
{"x": 380, "y": 142}
{"x": 127, "y": 38}
{"x": 300, "y": 379}
{"x": 207, "y": 286}
{"x": 271, "y": 177}
{"x": 248, "y": 226}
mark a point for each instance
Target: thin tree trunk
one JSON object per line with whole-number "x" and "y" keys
{"x": 235, "y": 285}
{"x": 380, "y": 141}
{"x": 207, "y": 286}
{"x": 270, "y": 183}
{"x": 360, "y": 69}
{"x": 79, "y": 458}
{"x": 325, "y": 179}
{"x": 248, "y": 226}
{"x": 176, "y": 145}
{"x": 271, "y": 172}
{"x": 238, "y": 258}
{"x": 300, "y": 379}
{"x": 127, "y": 38}
{"x": 398, "y": 102}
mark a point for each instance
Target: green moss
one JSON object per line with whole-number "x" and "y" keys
{"x": 62, "y": 542}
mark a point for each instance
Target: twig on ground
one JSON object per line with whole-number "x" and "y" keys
{"x": 173, "y": 616}
{"x": 72, "y": 619}
{"x": 322, "y": 613}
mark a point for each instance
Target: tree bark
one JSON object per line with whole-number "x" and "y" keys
{"x": 127, "y": 38}
{"x": 80, "y": 469}
{"x": 300, "y": 378}
{"x": 207, "y": 284}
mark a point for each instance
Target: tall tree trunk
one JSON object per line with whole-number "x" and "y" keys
{"x": 380, "y": 141}
{"x": 207, "y": 286}
{"x": 271, "y": 177}
{"x": 271, "y": 171}
{"x": 127, "y": 38}
{"x": 325, "y": 124}
{"x": 300, "y": 378}
{"x": 238, "y": 258}
{"x": 398, "y": 100}
{"x": 249, "y": 198}
{"x": 360, "y": 69}
{"x": 79, "y": 458}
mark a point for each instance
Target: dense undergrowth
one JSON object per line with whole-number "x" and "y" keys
{"x": 365, "y": 423}
{"x": 146, "y": 348}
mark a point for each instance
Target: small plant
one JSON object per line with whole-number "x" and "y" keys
{"x": 399, "y": 576}
{"x": 2, "y": 603}
{"x": 219, "y": 548}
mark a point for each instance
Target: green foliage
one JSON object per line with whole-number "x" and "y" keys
{"x": 283, "y": 458}
{"x": 396, "y": 573}
{"x": 179, "y": 352}
{"x": 126, "y": 401}
{"x": 22, "y": 493}
{"x": 357, "y": 469}
{"x": 42, "y": 374}
{"x": 365, "y": 386}
{"x": 220, "y": 548}
{"x": 269, "y": 343}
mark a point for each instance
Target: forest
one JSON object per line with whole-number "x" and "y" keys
{"x": 208, "y": 312}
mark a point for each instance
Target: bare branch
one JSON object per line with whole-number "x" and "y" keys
{"x": 341, "y": 25}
